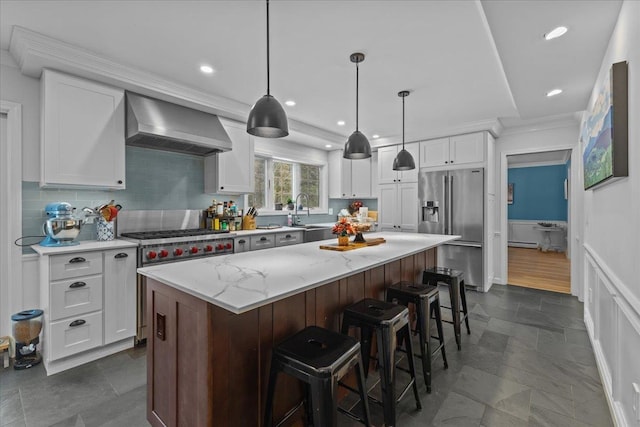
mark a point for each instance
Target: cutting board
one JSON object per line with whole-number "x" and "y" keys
{"x": 352, "y": 245}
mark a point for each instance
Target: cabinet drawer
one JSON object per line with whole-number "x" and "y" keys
{"x": 290, "y": 238}
{"x": 75, "y": 265}
{"x": 263, "y": 242}
{"x": 241, "y": 244}
{"x": 76, "y": 296}
{"x": 86, "y": 333}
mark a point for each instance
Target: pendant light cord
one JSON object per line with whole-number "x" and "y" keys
{"x": 403, "y": 122}
{"x": 268, "y": 88}
{"x": 357, "y": 91}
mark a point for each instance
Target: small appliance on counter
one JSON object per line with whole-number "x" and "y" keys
{"x": 62, "y": 226}
{"x": 27, "y": 325}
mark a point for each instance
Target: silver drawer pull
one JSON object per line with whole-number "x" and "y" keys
{"x": 262, "y": 239}
{"x": 78, "y": 322}
{"x": 242, "y": 241}
{"x": 288, "y": 236}
{"x": 77, "y": 285}
{"x": 76, "y": 260}
{"x": 121, "y": 255}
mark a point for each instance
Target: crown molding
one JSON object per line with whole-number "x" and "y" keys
{"x": 33, "y": 51}
{"x": 544, "y": 123}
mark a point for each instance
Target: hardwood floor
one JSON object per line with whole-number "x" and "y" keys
{"x": 531, "y": 268}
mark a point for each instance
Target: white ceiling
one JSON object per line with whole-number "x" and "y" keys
{"x": 557, "y": 157}
{"x": 465, "y": 62}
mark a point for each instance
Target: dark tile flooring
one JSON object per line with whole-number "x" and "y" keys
{"x": 527, "y": 362}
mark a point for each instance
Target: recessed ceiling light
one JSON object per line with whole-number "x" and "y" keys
{"x": 555, "y": 33}
{"x": 206, "y": 69}
{"x": 554, "y": 92}
{"x": 328, "y": 146}
{"x": 375, "y": 136}
{"x": 290, "y": 103}
{"x": 341, "y": 123}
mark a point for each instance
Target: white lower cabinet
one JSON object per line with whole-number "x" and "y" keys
{"x": 262, "y": 241}
{"x": 89, "y": 303}
{"x": 289, "y": 238}
{"x": 398, "y": 207}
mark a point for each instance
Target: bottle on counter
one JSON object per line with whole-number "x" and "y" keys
{"x": 289, "y": 219}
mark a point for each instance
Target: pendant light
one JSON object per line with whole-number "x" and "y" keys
{"x": 267, "y": 117}
{"x": 404, "y": 160}
{"x": 357, "y": 146}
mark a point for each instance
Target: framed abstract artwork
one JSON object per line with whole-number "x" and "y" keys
{"x": 605, "y": 132}
{"x": 510, "y": 194}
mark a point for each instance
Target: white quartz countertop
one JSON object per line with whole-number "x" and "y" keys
{"x": 244, "y": 281}
{"x": 86, "y": 245}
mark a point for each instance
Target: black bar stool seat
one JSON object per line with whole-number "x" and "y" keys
{"x": 388, "y": 321}
{"x": 454, "y": 279}
{"x": 426, "y": 300}
{"x": 318, "y": 357}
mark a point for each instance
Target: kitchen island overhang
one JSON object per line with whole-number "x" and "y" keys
{"x": 209, "y": 351}
{"x": 245, "y": 281}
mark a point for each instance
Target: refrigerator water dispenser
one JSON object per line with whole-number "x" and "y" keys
{"x": 430, "y": 211}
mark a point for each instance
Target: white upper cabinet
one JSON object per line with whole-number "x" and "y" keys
{"x": 231, "y": 172}
{"x": 386, "y": 155}
{"x": 398, "y": 207}
{"x": 455, "y": 150}
{"x": 349, "y": 178}
{"x": 82, "y": 133}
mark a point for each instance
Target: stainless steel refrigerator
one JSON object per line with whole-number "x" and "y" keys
{"x": 452, "y": 202}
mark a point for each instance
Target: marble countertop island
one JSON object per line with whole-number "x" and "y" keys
{"x": 244, "y": 281}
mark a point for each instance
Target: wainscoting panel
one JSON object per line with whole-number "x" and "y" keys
{"x": 612, "y": 317}
{"x": 523, "y": 234}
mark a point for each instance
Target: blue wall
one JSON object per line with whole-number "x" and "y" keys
{"x": 538, "y": 193}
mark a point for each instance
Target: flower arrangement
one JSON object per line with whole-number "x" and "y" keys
{"x": 343, "y": 228}
{"x": 355, "y": 206}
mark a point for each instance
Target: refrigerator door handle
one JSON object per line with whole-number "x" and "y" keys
{"x": 446, "y": 204}
{"x": 450, "y": 206}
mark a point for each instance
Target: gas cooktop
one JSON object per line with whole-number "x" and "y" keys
{"x": 166, "y": 234}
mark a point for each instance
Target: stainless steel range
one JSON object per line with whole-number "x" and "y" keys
{"x": 168, "y": 236}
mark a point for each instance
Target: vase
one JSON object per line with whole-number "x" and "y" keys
{"x": 105, "y": 229}
{"x": 343, "y": 240}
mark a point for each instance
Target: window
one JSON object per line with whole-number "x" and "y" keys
{"x": 277, "y": 181}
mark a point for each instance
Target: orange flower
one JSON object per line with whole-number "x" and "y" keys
{"x": 343, "y": 228}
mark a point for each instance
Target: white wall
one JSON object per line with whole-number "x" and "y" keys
{"x": 24, "y": 90}
{"x": 612, "y": 243}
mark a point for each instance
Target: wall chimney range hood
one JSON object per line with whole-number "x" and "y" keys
{"x": 161, "y": 125}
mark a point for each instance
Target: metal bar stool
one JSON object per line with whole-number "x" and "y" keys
{"x": 388, "y": 320}
{"x": 318, "y": 357}
{"x": 427, "y": 303}
{"x": 454, "y": 279}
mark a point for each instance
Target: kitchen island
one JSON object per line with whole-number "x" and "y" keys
{"x": 215, "y": 320}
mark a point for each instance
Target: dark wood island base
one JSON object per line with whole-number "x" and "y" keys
{"x": 207, "y": 366}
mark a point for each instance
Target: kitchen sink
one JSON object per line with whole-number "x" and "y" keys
{"x": 313, "y": 233}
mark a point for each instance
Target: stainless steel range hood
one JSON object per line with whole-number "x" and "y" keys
{"x": 152, "y": 123}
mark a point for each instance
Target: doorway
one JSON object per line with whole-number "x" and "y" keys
{"x": 538, "y": 254}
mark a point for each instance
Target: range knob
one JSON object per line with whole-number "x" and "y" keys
{"x": 163, "y": 253}
{"x": 220, "y": 246}
{"x": 208, "y": 248}
{"x": 178, "y": 251}
{"x": 151, "y": 255}
{"x": 228, "y": 245}
{"x": 194, "y": 250}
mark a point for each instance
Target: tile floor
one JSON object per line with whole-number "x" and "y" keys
{"x": 527, "y": 362}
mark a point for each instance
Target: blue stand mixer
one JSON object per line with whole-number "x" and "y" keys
{"x": 61, "y": 227}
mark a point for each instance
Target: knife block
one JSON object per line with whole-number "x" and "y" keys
{"x": 248, "y": 223}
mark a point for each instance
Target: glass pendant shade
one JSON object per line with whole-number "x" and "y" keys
{"x": 357, "y": 147}
{"x": 403, "y": 161}
{"x": 268, "y": 119}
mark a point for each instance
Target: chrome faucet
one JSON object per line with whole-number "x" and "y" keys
{"x": 296, "y": 217}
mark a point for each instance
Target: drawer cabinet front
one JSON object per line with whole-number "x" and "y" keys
{"x": 75, "y": 334}
{"x": 289, "y": 238}
{"x": 76, "y": 265}
{"x": 77, "y": 296}
{"x": 241, "y": 244}
{"x": 263, "y": 242}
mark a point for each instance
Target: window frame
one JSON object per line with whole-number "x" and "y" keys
{"x": 323, "y": 195}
